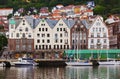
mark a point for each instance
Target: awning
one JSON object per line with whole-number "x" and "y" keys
{"x": 92, "y": 51}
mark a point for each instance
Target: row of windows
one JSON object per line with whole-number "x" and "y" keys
{"x": 98, "y": 47}
{"x": 24, "y": 47}
{"x": 24, "y": 41}
{"x": 98, "y": 40}
{"x": 98, "y": 29}
{"x": 80, "y": 41}
{"x": 98, "y": 35}
{"x": 61, "y": 29}
{"x": 43, "y": 29}
{"x": 56, "y": 41}
{"x": 43, "y": 35}
{"x": 49, "y": 47}
{"x": 23, "y": 35}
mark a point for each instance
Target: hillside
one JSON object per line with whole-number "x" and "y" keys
{"x": 103, "y": 7}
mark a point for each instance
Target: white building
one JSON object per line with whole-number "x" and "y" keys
{"x": 6, "y": 11}
{"x": 98, "y": 37}
{"x": 20, "y": 35}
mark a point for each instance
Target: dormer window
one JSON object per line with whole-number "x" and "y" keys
{"x": 20, "y": 29}
{"x": 97, "y": 24}
{"x": 60, "y": 24}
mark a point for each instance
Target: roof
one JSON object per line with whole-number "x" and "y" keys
{"x": 92, "y": 51}
{"x": 69, "y": 22}
{"x": 51, "y": 22}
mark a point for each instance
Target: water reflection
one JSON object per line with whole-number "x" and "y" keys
{"x": 69, "y": 72}
{"x": 100, "y": 72}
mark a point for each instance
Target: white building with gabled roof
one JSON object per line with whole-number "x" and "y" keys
{"x": 61, "y": 34}
{"x": 20, "y": 35}
{"x": 98, "y": 36}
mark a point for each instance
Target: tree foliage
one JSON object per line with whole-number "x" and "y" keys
{"x": 3, "y": 41}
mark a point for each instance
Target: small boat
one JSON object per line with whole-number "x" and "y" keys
{"x": 25, "y": 62}
{"x": 79, "y": 63}
{"x": 2, "y": 64}
{"x": 112, "y": 62}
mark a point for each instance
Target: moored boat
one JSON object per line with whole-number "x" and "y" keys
{"x": 25, "y": 62}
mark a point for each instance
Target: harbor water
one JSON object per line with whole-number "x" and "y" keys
{"x": 68, "y": 72}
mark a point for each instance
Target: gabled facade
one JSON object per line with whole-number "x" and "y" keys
{"x": 43, "y": 38}
{"x": 98, "y": 36}
{"x": 61, "y": 35}
{"x": 20, "y": 36}
{"x": 79, "y": 34}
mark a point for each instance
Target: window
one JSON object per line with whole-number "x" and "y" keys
{"x": 43, "y": 41}
{"x": 104, "y": 35}
{"x": 46, "y": 46}
{"x": 92, "y": 34}
{"x": 60, "y": 24}
{"x": 42, "y": 24}
{"x": 60, "y": 46}
{"x": 49, "y": 46}
{"x": 38, "y": 41}
{"x": 29, "y": 35}
{"x": 99, "y": 29}
{"x": 96, "y": 29}
{"x": 56, "y": 35}
{"x": 66, "y": 41}
{"x": 66, "y": 34}
{"x": 23, "y": 47}
{"x": 48, "y": 35}
{"x": 56, "y": 40}
{"x": 17, "y": 41}
{"x": 57, "y": 29}
{"x": 54, "y": 46}
{"x": 17, "y": 47}
{"x": 42, "y": 46}
{"x": 98, "y": 40}
{"x": 91, "y": 40}
{"x": 29, "y": 47}
{"x": 36, "y": 47}
{"x": 23, "y": 35}
{"x": 43, "y": 35}
{"x": 105, "y": 41}
{"x": 20, "y": 29}
{"x": 46, "y": 29}
{"x": 60, "y": 29}
{"x": 61, "y": 35}
{"x": 57, "y": 46}
{"x": 98, "y": 34}
{"x": 38, "y": 35}
{"x": 64, "y": 29}
{"x": 98, "y": 24}
{"x": 39, "y": 29}
{"x": 93, "y": 29}
{"x": 92, "y": 46}
{"x": 48, "y": 41}
{"x": 26, "y": 29}
{"x": 103, "y": 29}
{"x": 17, "y": 35}
{"x": 42, "y": 29}
{"x": 39, "y": 46}
{"x": 60, "y": 40}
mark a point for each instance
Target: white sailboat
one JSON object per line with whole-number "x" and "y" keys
{"x": 110, "y": 61}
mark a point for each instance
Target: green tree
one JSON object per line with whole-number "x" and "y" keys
{"x": 3, "y": 41}
{"x": 99, "y": 10}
